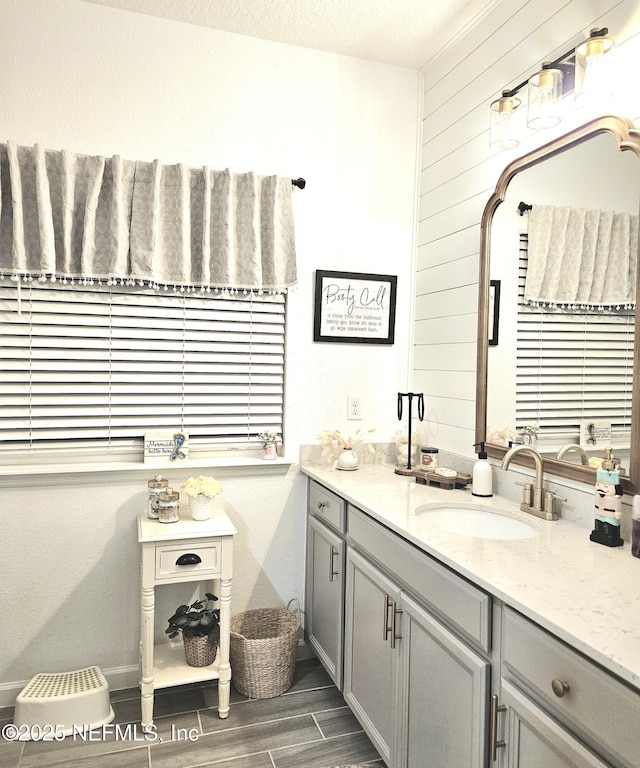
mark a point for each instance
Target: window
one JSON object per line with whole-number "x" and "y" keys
{"x": 91, "y": 368}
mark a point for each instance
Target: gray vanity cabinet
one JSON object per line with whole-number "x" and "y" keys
{"x": 442, "y": 694}
{"x": 325, "y": 571}
{"x": 535, "y": 740}
{"x": 419, "y": 690}
{"x": 371, "y": 653}
{"x": 576, "y": 714}
{"x": 424, "y": 648}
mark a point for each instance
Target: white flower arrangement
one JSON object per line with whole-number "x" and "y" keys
{"x": 268, "y": 437}
{"x": 207, "y": 486}
{"x": 531, "y": 429}
{"x": 330, "y": 438}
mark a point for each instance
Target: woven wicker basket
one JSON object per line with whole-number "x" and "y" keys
{"x": 199, "y": 651}
{"x": 263, "y": 650}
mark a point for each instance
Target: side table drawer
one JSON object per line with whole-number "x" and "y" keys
{"x": 201, "y": 558}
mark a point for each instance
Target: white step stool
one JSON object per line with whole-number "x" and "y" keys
{"x": 64, "y": 700}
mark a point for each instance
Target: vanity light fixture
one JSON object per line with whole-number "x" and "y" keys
{"x": 580, "y": 70}
{"x": 545, "y": 91}
{"x": 502, "y": 134}
{"x": 592, "y": 82}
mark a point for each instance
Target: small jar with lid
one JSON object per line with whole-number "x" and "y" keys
{"x": 156, "y": 486}
{"x": 428, "y": 458}
{"x": 168, "y": 506}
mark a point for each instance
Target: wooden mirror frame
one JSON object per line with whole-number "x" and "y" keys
{"x": 628, "y": 138}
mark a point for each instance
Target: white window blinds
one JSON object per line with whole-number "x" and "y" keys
{"x": 100, "y": 366}
{"x": 571, "y": 367}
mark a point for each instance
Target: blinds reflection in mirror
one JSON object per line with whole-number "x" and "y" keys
{"x": 572, "y": 365}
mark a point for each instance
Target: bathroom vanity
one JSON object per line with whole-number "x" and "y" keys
{"x": 463, "y": 637}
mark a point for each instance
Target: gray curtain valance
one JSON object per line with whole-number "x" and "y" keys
{"x": 581, "y": 259}
{"x": 75, "y": 217}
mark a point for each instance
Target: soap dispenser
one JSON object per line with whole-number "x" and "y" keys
{"x": 481, "y": 478}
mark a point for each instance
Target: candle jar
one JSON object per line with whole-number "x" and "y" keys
{"x": 428, "y": 458}
{"x": 168, "y": 511}
{"x": 156, "y": 487}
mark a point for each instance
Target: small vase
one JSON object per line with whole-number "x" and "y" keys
{"x": 347, "y": 459}
{"x": 200, "y": 506}
{"x": 269, "y": 451}
{"x": 199, "y": 651}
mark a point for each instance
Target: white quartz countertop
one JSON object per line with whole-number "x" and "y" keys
{"x": 585, "y": 593}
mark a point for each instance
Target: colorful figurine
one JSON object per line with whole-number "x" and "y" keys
{"x": 608, "y": 505}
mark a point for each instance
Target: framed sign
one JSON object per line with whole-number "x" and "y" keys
{"x": 354, "y": 308}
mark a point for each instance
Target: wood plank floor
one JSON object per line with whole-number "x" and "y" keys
{"x": 310, "y": 726}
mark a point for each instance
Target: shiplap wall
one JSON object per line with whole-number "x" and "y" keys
{"x": 459, "y": 172}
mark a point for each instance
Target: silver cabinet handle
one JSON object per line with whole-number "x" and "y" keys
{"x": 388, "y": 603}
{"x": 394, "y": 617}
{"x": 493, "y": 737}
{"x": 332, "y": 571}
{"x": 560, "y": 687}
{"x": 390, "y": 619}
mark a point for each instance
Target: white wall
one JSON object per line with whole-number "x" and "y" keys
{"x": 96, "y": 80}
{"x": 459, "y": 173}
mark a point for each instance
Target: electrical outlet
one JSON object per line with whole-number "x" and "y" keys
{"x": 354, "y": 407}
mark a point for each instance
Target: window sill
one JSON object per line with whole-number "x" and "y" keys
{"x": 238, "y": 465}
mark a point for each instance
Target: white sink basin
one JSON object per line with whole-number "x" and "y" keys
{"x": 477, "y": 521}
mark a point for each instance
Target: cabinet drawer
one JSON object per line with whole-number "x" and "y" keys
{"x": 595, "y": 704}
{"x": 200, "y": 558}
{"x": 460, "y": 604}
{"x": 327, "y": 506}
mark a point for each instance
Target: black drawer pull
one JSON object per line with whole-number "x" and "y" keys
{"x": 188, "y": 559}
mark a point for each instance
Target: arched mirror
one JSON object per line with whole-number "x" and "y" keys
{"x": 562, "y": 373}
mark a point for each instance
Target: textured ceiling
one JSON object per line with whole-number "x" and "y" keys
{"x": 406, "y": 33}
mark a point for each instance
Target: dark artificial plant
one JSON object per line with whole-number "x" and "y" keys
{"x": 196, "y": 620}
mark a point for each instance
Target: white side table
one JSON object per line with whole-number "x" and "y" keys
{"x": 209, "y": 545}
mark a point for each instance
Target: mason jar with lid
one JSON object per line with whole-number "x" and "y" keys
{"x": 168, "y": 511}
{"x": 156, "y": 486}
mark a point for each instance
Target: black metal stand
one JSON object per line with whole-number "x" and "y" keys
{"x": 420, "y": 401}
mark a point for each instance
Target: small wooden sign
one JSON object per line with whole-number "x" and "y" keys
{"x": 165, "y": 447}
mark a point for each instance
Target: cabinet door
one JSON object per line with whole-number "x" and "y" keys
{"x": 371, "y": 656}
{"x": 534, "y": 740}
{"x": 444, "y": 695}
{"x": 325, "y": 596}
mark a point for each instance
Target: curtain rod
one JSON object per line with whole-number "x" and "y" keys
{"x": 524, "y": 207}
{"x": 300, "y": 183}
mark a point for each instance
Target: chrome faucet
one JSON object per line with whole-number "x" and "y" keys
{"x": 535, "y": 500}
{"x": 578, "y": 449}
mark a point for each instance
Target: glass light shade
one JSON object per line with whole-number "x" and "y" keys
{"x": 545, "y": 90}
{"x": 593, "y": 82}
{"x": 501, "y": 134}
